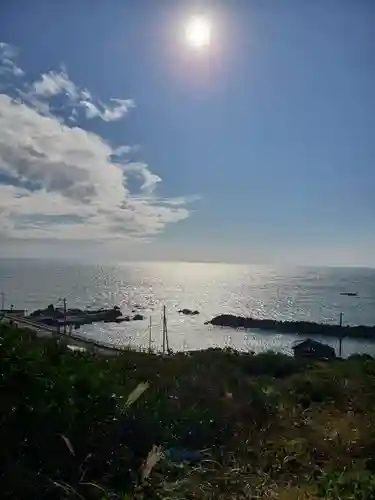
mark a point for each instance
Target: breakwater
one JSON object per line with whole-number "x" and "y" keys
{"x": 295, "y": 327}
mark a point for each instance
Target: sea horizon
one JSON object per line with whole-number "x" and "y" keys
{"x": 113, "y": 261}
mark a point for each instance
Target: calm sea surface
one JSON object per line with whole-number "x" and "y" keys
{"x": 311, "y": 294}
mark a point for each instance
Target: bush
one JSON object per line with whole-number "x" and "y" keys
{"x": 316, "y": 387}
{"x": 265, "y": 421}
{"x": 273, "y": 364}
{"x": 347, "y": 485}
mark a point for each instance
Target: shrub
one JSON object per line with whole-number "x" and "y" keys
{"x": 273, "y": 364}
{"x": 268, "y": 423}
{"x": 347, "y": 485}
{"x": 315, "y": 387}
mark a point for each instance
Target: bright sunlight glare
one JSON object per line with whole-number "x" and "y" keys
{"x": 198, "y": 32}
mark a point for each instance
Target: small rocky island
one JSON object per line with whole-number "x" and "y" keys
{"x": 295, "y": 327}
{"x": 188, "y": 312}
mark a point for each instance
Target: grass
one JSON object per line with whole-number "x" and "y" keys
{"x": 76, "y": 425}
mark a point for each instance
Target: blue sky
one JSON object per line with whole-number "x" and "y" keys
{"x": 259, "y": 148}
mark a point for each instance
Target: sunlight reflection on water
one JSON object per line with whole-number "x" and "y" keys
{"x": 311, "y": 294}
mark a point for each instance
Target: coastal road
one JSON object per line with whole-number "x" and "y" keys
{"x": 20, "y": 322}
{"x": 77, "y": 341}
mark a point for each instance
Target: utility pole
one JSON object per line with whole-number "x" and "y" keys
{"x": 340, "y": 338}
{"x": 150, "y": 336}
{"x": 64, "y": 309}
{"x": 163, "y": 330}
{"x": 166, "y": 330}
{"x": 64, "y": 300}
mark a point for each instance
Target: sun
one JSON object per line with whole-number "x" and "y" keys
{"x": 198, "y": 32}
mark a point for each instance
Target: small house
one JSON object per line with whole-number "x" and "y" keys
{"x": 312, "y": 349}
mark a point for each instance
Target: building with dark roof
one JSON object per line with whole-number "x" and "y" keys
{"x": 312, "y": 349}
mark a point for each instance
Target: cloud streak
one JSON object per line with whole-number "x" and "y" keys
{"x": 7, "y": 64}
{"x": 62, "y": 182}
{"x": 108, "y": 113}
{"x": 56, "y": 83}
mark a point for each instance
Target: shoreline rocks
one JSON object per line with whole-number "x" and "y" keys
{"x": 188, "y": 312}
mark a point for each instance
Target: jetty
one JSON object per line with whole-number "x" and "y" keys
{"x": 295, "y": 327}
{"x": 55, "y": 316}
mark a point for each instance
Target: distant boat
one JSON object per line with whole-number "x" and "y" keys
{"x": 350, "y": 294}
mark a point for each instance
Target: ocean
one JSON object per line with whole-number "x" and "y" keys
{"x": 282, "y": 293}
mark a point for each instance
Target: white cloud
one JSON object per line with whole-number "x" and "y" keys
{"x": 108, "y": 113}
{"x": 182, "y": 201}
{"x": 85, "y": 95}
{"x": 6, "y": 50}
{"x": 148, "y": 179}
{"x": 54, "y": 83}
{"x": 62, "y": 182}
{"x": 123, "y": 150}
{"x": 41, "y": 106}
{"x": 49, "y": 154}
{"x": 7, "y": 64}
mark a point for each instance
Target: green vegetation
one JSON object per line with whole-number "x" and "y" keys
{"x": 80, "y": 426}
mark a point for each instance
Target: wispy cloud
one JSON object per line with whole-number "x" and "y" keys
{"x": 109, "y": 112}
{"x": 54, "y": 83}
{"x": 142, "y": 172}
{"x": 7, "y": 64}
{"x": 182, "y": 200}
{"x": 63, "y": 182}
{"x": 124, "y": 150}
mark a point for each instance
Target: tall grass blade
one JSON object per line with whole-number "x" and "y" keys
{"x": 154, "y": 456}
{"x": 68, "y": 444}
{"x": 136, "y": 394}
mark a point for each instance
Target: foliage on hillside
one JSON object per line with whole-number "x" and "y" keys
{"x": 267, "y": 425}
